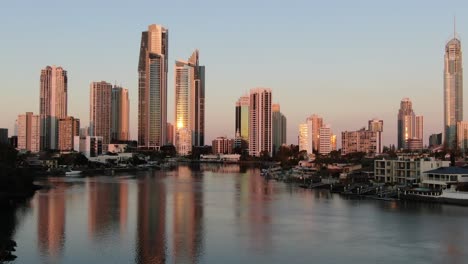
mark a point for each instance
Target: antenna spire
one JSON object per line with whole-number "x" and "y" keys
{"x": 454, "y": 26}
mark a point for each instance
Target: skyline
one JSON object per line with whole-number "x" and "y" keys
{"x": 408, "y": 67}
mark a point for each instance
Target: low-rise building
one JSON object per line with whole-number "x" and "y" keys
{"x": 405, "y": 170}
{"x": 90, "y": 146}
{"x": 222, "y": 145}
{"x": 442, "y": 178}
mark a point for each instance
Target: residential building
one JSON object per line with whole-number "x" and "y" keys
{"x": 152, "y": 87}
{"x": 120, "y": 113}
{"x": 190, "y": 101}
{"x": 405, "y": 170}
{"x": 360, "y": 141}
{"x": 303, "y": 138}
{"x": 376, "y": 125}
{"x": 29, "y": 132}
{"x": 462, "y": 135}
{"x": 443, "y": 177}
{"x": 279, "y": 127}
{"x": 222, "y": 145}
{"x": 419, "y": 128}
{"x": 260, "y": 127}
{"x": 52, "y": 105}
{"x": 325, "y": 145}
{"x": 453, "y": 90}
{"x": 314, "y": 123}
{"x": 90, "y": 146}
{"x": 435, "y": 140}
{"x": 3, "y": 136}
{"x": 69, "y": 127}
{"x": 100, "y": 114}
{"x": 242, "y": 117}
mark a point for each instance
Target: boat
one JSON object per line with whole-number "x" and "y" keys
{"x": 447, "y": 196}
{"x": 73, "y": 173}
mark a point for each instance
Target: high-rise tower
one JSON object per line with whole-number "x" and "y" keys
{"x": 260, "y": 122}
{"x": 152, "y": 87}
{"x": 100, "y": 114}
{"x": 52, "y": 104}
{"x": 453, "y": 91}
{"x": 120, "y": 114}
{"x": 189, "y": 104}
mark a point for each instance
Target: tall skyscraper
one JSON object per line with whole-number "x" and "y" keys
{"x": 453, "y": 90}
{"x": 29, "y": 132}
{"x": 419, "y": 128}
{"x": 376, "y": 125}
{"x": 69, "y": 127}
{"x": 260, "y": 127}
{"x": 325, "y": 140}
{"x": 406, "y": 122}
{"x": 303, "y": 140}
{"x": 120, "y": 112}
{"x": 279, "y": 127}
{"x": 242, "y": 117}
{"x": 53, "y": 104}
{"x": 314, "y": 123}
{"x": 190, "y": 104}
{"x": 100, "y": 111}
{"x": 152, "y": 87}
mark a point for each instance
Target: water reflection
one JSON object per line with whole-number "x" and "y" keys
{"x": 51, "y": 221}
{"x": 188, "y": 216}
{"x": 151, "y": 223}
{"x": 107, "y": 209}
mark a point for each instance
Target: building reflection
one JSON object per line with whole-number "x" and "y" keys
{"x": 51, "y": 221}
{"x": 187, "y": 216}
{"x": 151, "y": 222}
{"x": 108, "y": 207}
{"x": 253, "y": 197}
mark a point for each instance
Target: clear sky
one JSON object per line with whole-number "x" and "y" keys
{"x": 348, "y": 61}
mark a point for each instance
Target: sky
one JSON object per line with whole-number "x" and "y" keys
{"x": 348, "y": 61}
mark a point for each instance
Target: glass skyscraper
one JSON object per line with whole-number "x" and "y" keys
{"x": 152, "y": 87}
{"x": 453, "y": 91}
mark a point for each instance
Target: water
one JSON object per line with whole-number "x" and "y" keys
{"x": 228, "y": 214}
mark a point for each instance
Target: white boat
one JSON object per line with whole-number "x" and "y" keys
{"x": 72, "y": 173}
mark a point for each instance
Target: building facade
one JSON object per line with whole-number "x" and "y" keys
{"x": 376, "y": 125}
{"x": 69, "y": 127}
{"x": 190, "y": 103}
{"x": 303, "y": 140}
{"x": 90, "y": 146}
{"x": 242, "y": 117}
{"x": 435, "y": 140}
{"x": 314, "y": 123}
{"x": 120, "y": 113}
{"x": 360, "y": 141}
{"x": 462, "y": 135}
{"x": 260, "y": 122}
{"x": 52, "y": 105}
{"x": 279, "y": 127}
{"x": 453, "y": 90}
{"x": 222, "y": 145}
{"x": 152, "y": 87}
{"x": 170, "y": 134}
{"x": 100, "y": 112}
{"x": 410, "y": 126}
{"x": 405, "y": 170}
{"x": 325, "y": 140}
{"x": 29, "y": 132}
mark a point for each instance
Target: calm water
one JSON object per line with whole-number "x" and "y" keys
{"x": 226, "y": 214}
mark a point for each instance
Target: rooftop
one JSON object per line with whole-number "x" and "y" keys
{"x": 449, "y": 170}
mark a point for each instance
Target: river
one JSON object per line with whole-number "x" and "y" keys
{"x": 227, "y": 214}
